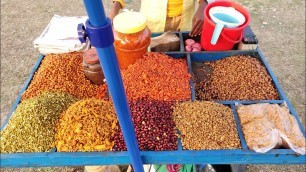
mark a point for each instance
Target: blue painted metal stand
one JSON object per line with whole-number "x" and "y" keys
{"x": 99, "y": 26}
{"x": 179, "y": 156}
{"x": 109, "y": 62}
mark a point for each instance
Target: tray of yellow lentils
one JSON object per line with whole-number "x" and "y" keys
{"x": 186, "y": 108}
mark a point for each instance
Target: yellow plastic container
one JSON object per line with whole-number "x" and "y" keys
{"x": 132, "y": 37}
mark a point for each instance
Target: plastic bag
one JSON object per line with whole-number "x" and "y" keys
{"x": 290, "y": 132}
{"x": 61, "y": 36}
{"x": 267, "y": 126}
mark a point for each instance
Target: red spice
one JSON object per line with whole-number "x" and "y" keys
{"x": 157, "y": 76}
{"x": 101, "y": 91}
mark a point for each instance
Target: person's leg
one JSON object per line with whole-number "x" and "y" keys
{"x": 173, "y": 23}
{"x": 104, "y": 168}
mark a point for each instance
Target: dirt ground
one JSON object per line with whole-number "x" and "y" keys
{"x": 279, "y": 26}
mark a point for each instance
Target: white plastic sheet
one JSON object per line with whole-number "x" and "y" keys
{"x": 60, "y": 36}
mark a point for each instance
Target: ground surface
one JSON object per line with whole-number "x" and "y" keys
{"x": 279, "y": 26}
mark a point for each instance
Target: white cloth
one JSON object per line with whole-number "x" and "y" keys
{"x": 61, "y": 36}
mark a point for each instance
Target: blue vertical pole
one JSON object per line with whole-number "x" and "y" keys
{"x": 109, "y": 62}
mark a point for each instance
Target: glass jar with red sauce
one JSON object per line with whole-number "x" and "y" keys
{"x": 132, "y": 37}
{"x": 92, "y": 67}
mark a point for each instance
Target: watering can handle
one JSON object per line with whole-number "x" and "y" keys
{"x": 216, "y": 34}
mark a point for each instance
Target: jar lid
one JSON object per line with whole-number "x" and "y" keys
{"x": 129, "y": 22}
{"x": 91, "y": 56}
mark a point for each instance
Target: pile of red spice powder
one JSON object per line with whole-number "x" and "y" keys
{"x": 157, "y": 76}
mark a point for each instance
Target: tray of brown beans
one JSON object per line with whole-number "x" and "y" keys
{"x": 187, "y": 108}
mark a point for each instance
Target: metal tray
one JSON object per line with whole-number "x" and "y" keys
{"x": 179, "y": 156}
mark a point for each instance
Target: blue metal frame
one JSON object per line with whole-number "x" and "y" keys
{"x": 243, "y": 156}
{"x": 238, "y": 156}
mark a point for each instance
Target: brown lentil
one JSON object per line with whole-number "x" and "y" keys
{"x": 206, "y": 125}
{"x": 236, "y": 78}
{"x": 87, "y": 125}
{"x": 157, "y": 76}
{"x": 153, "y": 124}
{"x": 62, "y": 72}
{"x": 33, "y": 124}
